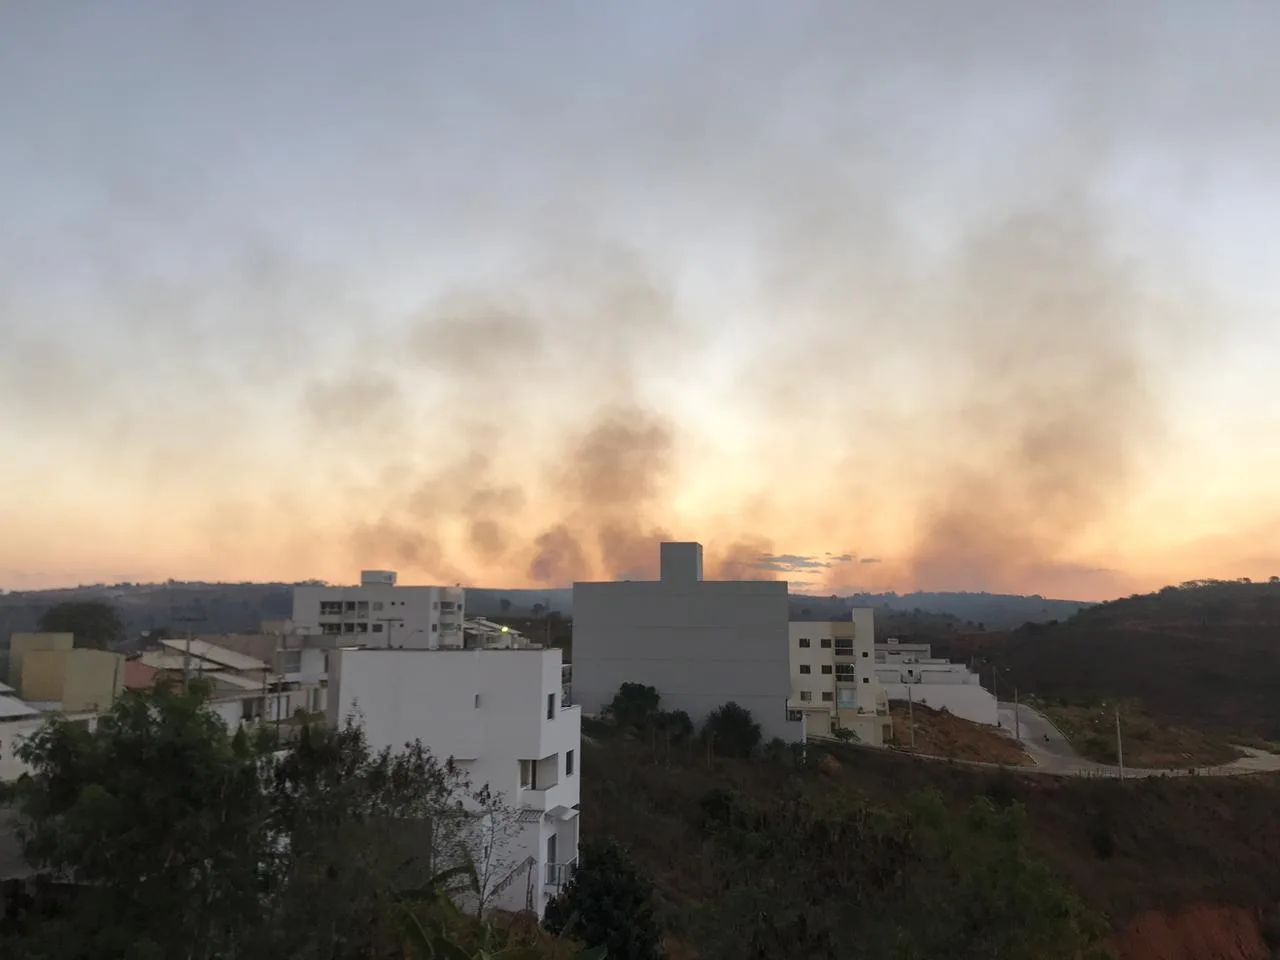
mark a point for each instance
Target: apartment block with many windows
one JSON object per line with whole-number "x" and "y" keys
{"x": 834, "y": 683}
{"x": 380, "y": 613}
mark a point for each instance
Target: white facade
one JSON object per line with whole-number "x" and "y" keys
{"x": 503, "y": 715}
{"x": 699, "y": 643}
{"x": 378, "y": 613}
{"x": 909, "y": 671}
{"x": 834, "y": 682}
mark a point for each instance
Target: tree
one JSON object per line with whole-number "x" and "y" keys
{"x": 192, "y": 842}
{"x": 491, "y": 838}
{"x": 675, "y": 725}
{"x": 733, "y": 731}
{"x": 157, "y": 813}
{"x": 635, "y": 706}
{"x": 607, "y": 902}
{"x": 94, "y": 623}
{"x": 504, "y": 605}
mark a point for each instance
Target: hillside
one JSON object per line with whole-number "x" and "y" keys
{"x": 1206, "y": 655}
{"x": 1181, "y": 869}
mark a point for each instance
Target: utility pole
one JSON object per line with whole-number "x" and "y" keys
{"x": 911, "y": 715}
{"x": 1119, "y": 744}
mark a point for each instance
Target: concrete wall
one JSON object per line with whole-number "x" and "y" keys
{"x": 699, "y": 643}
{"x": 78, "y": 680}
{"x": 20, "y": 643}
{"x": 92, "y": 679}
{"x": 968, "y": 701}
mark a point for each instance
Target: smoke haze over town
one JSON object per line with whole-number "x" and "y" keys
{"x": 941, "y": 296}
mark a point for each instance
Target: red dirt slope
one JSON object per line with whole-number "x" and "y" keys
{"x": 1199, "y": 932}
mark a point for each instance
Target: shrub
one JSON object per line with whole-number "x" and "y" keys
{"x": 607, "y": 902}
{"x": 635, "y": 706}
{"x": 733, "y": 731}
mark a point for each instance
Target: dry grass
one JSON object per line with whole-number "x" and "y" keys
{"x": 942, "y": 734}
{"x": 1148, "y": 742}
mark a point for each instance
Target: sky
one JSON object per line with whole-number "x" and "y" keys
{"x": 873, "y": 296}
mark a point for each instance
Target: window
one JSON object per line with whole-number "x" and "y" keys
{"x": 435, "y": 627}
{"x": 348, "y": 628}
{"x": 804, "y": 643}
{"x": 330, "y": 608}
{"x": 806, "y": 696}
{"x": 805, "y": 668}
{"x": 377, "y": 604}
{"x": 362, "y": 606}
{"x": 866, "y": 679}
{"x": 377, "y": 628}
{"x": 527, "y": 771}
{"x": 864, "y": 653}
{"x": 826, "y": 669}
{"x": 551, "y": 706}
{"x": 826, "y": 696}
{"x": 351, "y": 606}
{"x": 568, "y": 764}
{"x": 826, "y": 643}
{"x": 794, "y": 716}
{"x": 362, "y": 628}
{"x": 477, "y": 701}
{"x": 435, "y": 605}
{"x": 329, "y": 629}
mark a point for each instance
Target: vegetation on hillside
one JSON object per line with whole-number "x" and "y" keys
{"x": 95, "y": 624}
{"x": 1147, "y": 741}
{"x": 775, "y": 862}
{"x": 1158, "y": 843}
{"x": 186, "y": 841}
{"x": 1203, "y": 655}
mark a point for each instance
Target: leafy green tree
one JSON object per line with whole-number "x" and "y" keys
{"x": 635, "y": 706}
{"x": 733, "y": 731}
{"x": 607, "y": 903}
{"x": 157, "y": 814}
{"x": 195, "y": 843}
{"x": 94, "y": 623}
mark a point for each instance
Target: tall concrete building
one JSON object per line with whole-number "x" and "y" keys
{"x": 379, "y": 613}
{"x": 700, "y": 643}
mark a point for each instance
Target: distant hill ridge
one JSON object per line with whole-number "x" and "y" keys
{"x": 237, "y": 607}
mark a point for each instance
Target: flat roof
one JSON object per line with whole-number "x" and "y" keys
{"x": 219, "y": 655}
{"x": 11, "y": 708}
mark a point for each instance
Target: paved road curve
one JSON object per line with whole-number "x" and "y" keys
{"x": 1053, "y": 754}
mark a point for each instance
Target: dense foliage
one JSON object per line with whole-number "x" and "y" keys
{"x": 911, "y": 883}
{"x": 732, "y": 730}
{"x": 608, "y": 902}
{"x": 187, "y": 842}
{"x": 94, "y": 623}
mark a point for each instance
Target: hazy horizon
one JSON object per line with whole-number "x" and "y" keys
{"x": 935, "y": 296}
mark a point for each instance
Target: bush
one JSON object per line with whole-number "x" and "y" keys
{"x": 607, "y": 903}
{"x": 733, "y": 731}
{"x": 635, "y": 706}
{"x": 674, "y": 724}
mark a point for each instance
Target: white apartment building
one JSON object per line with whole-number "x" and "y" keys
{"x": 379, "y": 613}
{"x": 504, "y": 716}
{"x": 910, "y": 671}
{"x": 699, "y": 643}
{"x": 834, "y": 682}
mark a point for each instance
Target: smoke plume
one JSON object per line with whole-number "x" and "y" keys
{"x": 857, "y": 297}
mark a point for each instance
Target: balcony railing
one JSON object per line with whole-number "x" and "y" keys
{"x": 558, "y": 874}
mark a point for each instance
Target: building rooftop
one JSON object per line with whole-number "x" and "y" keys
{"x": 219, "y": 655}
{"x": 11, "y": 708}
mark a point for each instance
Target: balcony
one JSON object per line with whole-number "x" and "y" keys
{"x": 558, "y": 874}
{"x": 844, "y": 651}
